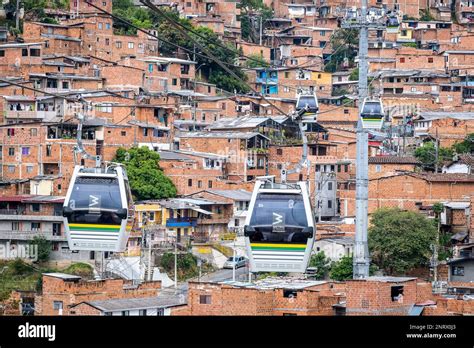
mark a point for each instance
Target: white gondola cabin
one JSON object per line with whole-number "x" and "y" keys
{"x": 372, "y": 114}
{"x": 279, "y": 229}
{"x": 98, "y": 209}
{"x": 309, "y": 101}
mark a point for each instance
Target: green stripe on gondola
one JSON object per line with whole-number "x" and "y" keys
{"x": 87, "y": 228}
{"x": 278, "y": 248}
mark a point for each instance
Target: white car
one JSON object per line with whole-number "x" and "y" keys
{"x": 240, "y": 261}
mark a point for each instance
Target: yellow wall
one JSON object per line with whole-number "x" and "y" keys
{"x": 324, "y": 79}
{"x": 408, "y": 36}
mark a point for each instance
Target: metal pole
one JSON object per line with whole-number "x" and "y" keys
{"x": 261, "y": 29}
{"x": 17, "y": 15}
{"x": 176, "y": 262}
{"x": 436, "y": 151}
{"x": 149, "y": 256}
{"x": 233, "y": 265}
{"x": 361, "y": 259}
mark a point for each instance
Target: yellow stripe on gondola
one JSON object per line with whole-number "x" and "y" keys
{"x": 94, "y": 226}
{"x": 274, "y": 245}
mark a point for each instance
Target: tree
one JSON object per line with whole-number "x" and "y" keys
{"x": 249, "y": 8}
{"x": 321, "y": 263}
{"x": 44, "y": 248}
{"x": 426, "y": 154}
{"x": 342, "y": 269}
{"x": 465, "y": 146}
{"x": 147, "y": 180}
{"x": 344, "y": 43}
{"x": 400, "y": 240}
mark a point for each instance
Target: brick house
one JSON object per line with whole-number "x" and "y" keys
{"x": 61, "y": 291}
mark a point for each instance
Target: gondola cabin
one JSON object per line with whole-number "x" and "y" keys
{"x": 372, "y": 114}
{"x": 98, "y": 210}
{"x": 279, "y": 229}
{"x": 309, "y": 101}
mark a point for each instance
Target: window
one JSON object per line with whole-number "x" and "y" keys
{"x": 430, "y": 60}
{"x": 107, "y": 25}
{"x": 287, "y": 74}
{"x": 329, "y": 186}
{"x": 104, "y": 3}
{"x": 397, "y": 293}
{"x": 57, "y": 305}
{"x": 24, "y": 52}
{"x": 33, "y": 132}
{"x": 152, "y": 216}
{"x": 174, "y": 82}
{"x": 199, "y": 183}
{"x": 107, "y": 42}
{"x": 190, "y": 182}
{"x": 11, "y": 169}
{"x": 29, "y": 169}
{"x": 346, "y": 111}
{"x": 11, "y": 132}
{"x": 35, "y": 207}
{"x": 402, "y": 60}
{"x": 35, "y": 226}
{"x": 329, "y": 204}
{"x": 118, "y": 44}
{"x": 318, "y": 167}
{"x": 123, "y": 133}
{"x": 131, "y": 45}
{"x": 209, "y": 184}
{"x": 99, "y": 25}
{"x": 142, "y": 312}
{"x": 125, "y": 313}
{"x": 289, "y": 293}
{"x": 188, "y": 4}
{"x": 322, "y": 33}
{"x": 48, "y": 150}
{"x": 11, "y": 151}
{"x": 35, "y": 52}
{"x": 185, "y": 69}
{"x": 205, "y": 299}
{"x": 2, "y": 53}
{"x": 378, "y": 168}
{"x": 56, "y": 229}
{"x": 15, "y": 226}
{"x": 457, "y": 271}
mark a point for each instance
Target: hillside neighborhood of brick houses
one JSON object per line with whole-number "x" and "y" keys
{"x": 147, "y": 88}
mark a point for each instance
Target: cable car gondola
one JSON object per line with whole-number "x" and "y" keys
{"x": 279, "y": 230}
{"x": 372, "y": 114}
{"x": 309, "y": 101}
{"x": 97, "y": 209}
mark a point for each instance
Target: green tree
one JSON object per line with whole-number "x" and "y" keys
{"x": 344, "y": 43}
{"x": 400, "y": 240}
{"x": 250, "y": 8}
{"x": 147, "y": 180}
{"x": 187, "y": 265}
{"x": 321, "y": 263}
{"x": 465, "y": 146}
{"x": 44, "y": 248}
{"x": 342, "y": 269}
{"x": 426, "y": 154}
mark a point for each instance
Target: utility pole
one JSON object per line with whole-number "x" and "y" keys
{"x": 149, "y": 254}
{"x": 261, "y": 29}
{"x": 436, "y": 151}
{"x": 176, "y": 262}
{"x": 17, "y": 15}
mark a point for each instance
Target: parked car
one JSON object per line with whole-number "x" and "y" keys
{"x": 240, "y": 261}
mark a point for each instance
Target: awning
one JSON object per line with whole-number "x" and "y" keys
{"x": 199, "y": 210}
{"x": 416, "y": 310}
{"x": 460, "y": 236}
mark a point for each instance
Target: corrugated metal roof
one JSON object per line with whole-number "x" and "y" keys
{"x": 238, "y": 195}
{"x": 161, "y": 301}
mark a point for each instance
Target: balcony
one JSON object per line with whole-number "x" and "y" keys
{"x": 29, "y": 235}
{"x": 181, "y": 222}
{"x": 29, "y": 114}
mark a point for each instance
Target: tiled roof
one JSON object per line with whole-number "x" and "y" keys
{"x": 393, "y": 159}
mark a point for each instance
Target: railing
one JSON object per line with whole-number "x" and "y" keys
{"x": 181, "y": 222}
{"x": 29, "y": 114}
{"x": 11, "y": 212}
